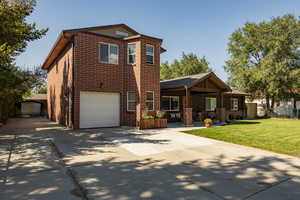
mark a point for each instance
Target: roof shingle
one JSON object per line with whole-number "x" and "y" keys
{"x": 183, "y": 81}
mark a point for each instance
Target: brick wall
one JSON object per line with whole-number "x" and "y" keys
{"x": 149, "y": 76}
{"x": 60, "y": 87}
{"x": 93, "y": 75}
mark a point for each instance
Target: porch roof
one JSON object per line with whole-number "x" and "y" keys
{"x": 192, "y": 80}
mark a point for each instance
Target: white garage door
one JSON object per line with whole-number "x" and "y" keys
{"x": 98, "y": 109}
{"x": 30, "y": 108}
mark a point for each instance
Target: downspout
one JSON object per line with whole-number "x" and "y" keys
{"x": 73, "y": 85}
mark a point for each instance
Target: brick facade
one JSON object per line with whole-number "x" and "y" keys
{"x": 60, "y": 84}
{"x": 83, "y": 62}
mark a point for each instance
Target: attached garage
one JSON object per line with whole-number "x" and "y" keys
{"x": 99, "y": 109}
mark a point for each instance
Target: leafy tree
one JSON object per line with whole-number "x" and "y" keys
{"x": 264, "y": 58}
{"x": 39, "y": 81}
{"x": 15, "y": 33}
{"x": 165, "y": 71}
{"x": 15, "y": 83}
{"x": 189, "y": 64}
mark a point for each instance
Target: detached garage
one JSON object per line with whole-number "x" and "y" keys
{"x": 35, "y": 105}
{"x": 99, "y": 109}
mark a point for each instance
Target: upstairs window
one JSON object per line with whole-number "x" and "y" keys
{"x": 234, "y": 104}
{"x": 149, "y": 54}
{"x": 210, "y": 103}
{"x": 131, "y": 102}
{"x": 170, "y": 103}
{"x": 150, "y": 101}
{"x": 109, "y": 53}
{"x": 131, "y": 54}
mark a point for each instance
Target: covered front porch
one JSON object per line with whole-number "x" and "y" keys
{"x": 194, "y": 98}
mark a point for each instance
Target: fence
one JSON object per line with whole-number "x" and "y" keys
{"x": 286, "y": 113}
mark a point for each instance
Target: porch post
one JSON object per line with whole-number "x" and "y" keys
{"x": 187, "y": 110}
{"x": 221, "y": 111}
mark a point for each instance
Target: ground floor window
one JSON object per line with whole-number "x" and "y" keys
{"x": 170, "y": 103}
{"x": 234, "y": 104}
{"x": 210, "y": 103}
{"x": 131, "y": 101}
{"x": 150, "y": 101}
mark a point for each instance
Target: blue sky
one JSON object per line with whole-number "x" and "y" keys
{"x": 198, "y": 26}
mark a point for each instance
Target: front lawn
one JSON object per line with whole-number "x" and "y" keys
{"x": 278, "y": 135}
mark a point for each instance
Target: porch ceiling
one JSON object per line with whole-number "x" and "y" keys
{"x": 182, "y": 92}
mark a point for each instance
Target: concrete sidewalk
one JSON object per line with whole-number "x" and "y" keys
{"x": 28, "y": 168}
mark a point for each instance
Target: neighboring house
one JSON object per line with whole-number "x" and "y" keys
{"x": 285, "y": 108}
{"x": 34, "y": 105}
{"x": 108, "y": 75}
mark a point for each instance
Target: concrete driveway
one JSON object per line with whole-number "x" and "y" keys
{"x": 124, "y": 163}
{"x": 168, "y": 164}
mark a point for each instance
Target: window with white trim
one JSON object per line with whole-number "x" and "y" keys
{"x": 109, "y": 53}
{"x": 131, "y": 102}
{"x": 149, "y": 54}
{"x": 234, "y": 104}
{"x": 170, "y": 103}
{"x": 210, "y": 103}
{"x": 131, "y": 53}
{"x": 150, "y": 101}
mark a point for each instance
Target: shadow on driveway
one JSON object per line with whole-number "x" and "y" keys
{"x": 108, "y": 171}
{"x": 149, "y": 178}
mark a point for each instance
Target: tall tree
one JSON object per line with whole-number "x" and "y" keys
{"x": 165, "y": 71}
{"x": 264, "y": 58}
{"x": 15, "y": 33}
{"x": 188, "y": 64}
{"x": 39, "y": 81}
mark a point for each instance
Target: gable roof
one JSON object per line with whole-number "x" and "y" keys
{"x": 190, "y": 81}
{"x": 101, "y": 28}
{"x": 66, "y": 36}
{"x": 182, "y": 81}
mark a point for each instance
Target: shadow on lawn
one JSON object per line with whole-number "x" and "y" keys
{"x": 240, "y": 122}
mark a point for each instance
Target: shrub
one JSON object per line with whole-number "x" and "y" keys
{"x": 147, "y": 115}
{"x": 160, "y": 114}
{"x": 208, "y": 121}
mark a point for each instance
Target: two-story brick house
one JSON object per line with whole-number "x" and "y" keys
{"x": 107, "y": 75}
{"x": 103, "y": 76}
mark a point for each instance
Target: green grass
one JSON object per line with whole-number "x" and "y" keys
{"x": 278, "y": 135}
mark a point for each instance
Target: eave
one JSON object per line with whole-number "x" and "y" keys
{"x": 63, "y": 39}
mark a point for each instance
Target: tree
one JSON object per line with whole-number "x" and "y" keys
{"x": 15, "y": 33}
{"x": 189, "y": 64}
{"x": 264, "y": 58}
{"x": 39, "y": 81}
{"x": 165, "y": 71}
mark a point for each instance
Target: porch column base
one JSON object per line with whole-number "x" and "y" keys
{"x": 221, "y": 114}
{"x": 187, "y": 116}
